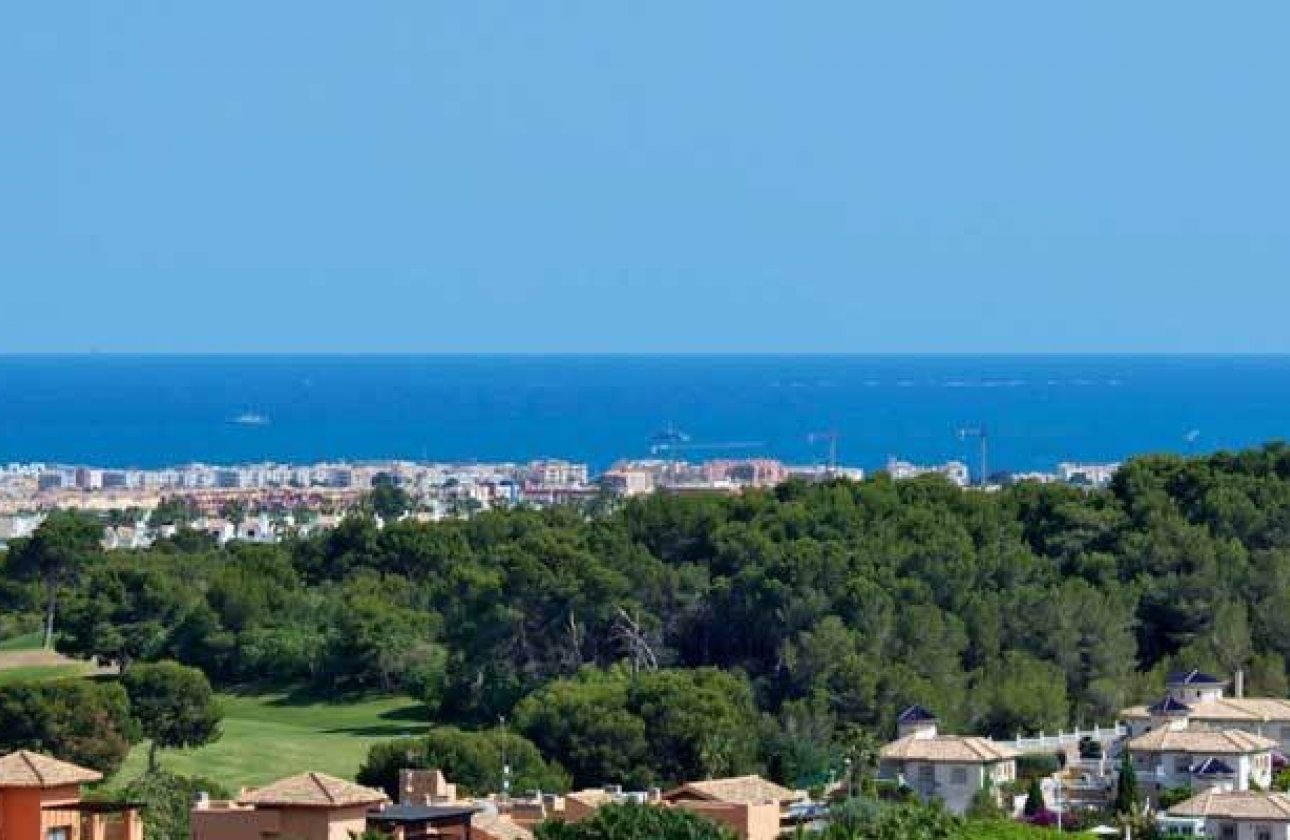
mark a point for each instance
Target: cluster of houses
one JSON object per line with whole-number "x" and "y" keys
{"x": 41, "y": 798}
{"x": 1220, "y": 752}
{"x": 1212, "y": 755}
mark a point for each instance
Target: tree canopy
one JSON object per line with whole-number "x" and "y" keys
{"x": 81, "y": 721}
{"x": 636, "y": 822}
{"x": 174, "y": 705}
{"x": 791, "y": 617}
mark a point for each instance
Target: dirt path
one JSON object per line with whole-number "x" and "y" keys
{"x": 42, "y": 659}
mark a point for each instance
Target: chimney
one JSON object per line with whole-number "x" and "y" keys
{"x": 1240, "y": 685}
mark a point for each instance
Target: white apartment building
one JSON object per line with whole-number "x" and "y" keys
{"x": 955, "y": 471}
{"x": 556, "y": 473}
{"x": 1090, "y": 475}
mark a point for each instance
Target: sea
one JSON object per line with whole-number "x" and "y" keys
{"x": 152, "y": 411}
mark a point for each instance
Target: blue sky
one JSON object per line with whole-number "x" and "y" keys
{"x": 644, "y": 177}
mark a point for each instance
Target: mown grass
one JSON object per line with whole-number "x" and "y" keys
{"x": 28, "y": 641}
{"x": 271, "y": 734}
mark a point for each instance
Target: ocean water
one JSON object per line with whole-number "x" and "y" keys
{"x": 148, "y": 411}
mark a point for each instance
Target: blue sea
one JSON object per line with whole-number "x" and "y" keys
{"x": 148, "y": 411}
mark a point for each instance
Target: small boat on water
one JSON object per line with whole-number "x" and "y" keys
{"x": 250, "y": 418}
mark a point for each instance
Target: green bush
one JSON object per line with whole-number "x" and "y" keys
{"x": 168, "y": 800}
{"x": 1172, "y": 796}
{"x": 86, "y": 722}
{"x": 636, "y": 822}
{"x": 471, "y": 759}
{"x": 1037, "y": 765}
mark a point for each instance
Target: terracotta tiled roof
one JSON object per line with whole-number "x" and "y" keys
{"x": 738, "y": 790}
{"x": 313, "y": 790}
{"x": 1229, "y": 709}
{"x": 1236, "y": 805}
{"x": 497, "y": 827}
{"x": 1260, "y": 710}
{"x": 1206, "y": 741}
{"x": 948, "y": 748}
{"x": 23, "y": 769}
{"x": 592, "y": 797}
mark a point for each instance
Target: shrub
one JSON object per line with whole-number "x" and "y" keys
{"x": 1034, "y": 765}
{"x": 168, "y": 801}
{"x": 472, "y": 759}
{"x": 86, "y": 722}
{"x": 636, "y": 822}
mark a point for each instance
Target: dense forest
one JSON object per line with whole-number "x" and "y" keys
{"x": 685, "y": 636}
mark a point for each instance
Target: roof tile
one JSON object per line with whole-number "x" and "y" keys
{"x": 948, "y": 748}
{"x": 313, "y": 790}
{"x": 25, "y": 769}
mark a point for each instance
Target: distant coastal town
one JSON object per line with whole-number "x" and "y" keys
{"x": 264, "y": 502}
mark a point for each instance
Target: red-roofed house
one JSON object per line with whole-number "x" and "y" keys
{"x": 40, "y": 799}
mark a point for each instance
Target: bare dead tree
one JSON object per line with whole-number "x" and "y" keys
{"x": 573, "y": 650}
{"x": 629, "y": 631}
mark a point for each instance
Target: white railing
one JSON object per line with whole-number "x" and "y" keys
{"x": 1041, "y": 741}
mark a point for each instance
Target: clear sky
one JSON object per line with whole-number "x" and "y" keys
{"x": 670, "y": 175}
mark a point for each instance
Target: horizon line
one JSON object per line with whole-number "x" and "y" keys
{"x": 644, "y": 354}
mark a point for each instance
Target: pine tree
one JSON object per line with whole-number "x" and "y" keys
{"x": 1127, "y": 800}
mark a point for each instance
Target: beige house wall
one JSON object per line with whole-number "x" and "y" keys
{"x": 243, "y": 823}
{"x": 954, "y": 784}
{"x": 235, "y": 823}
{"x": 1247, "y": 830}
{"x": 750, "y": 822}
{"x": 323, "y": 823}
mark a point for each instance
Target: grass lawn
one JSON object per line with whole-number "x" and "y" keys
{"x": 268, "y": 735}
{"x": 30, "y": 641}
{"x": 23, "y": 658}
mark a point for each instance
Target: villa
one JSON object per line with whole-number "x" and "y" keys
{"x": 1201, "y": 700}
{"x": 948, "y": 768}
{"x": 1229, "y": 815}
{"x": 752, "y": 807}
{"x": 310, "y": 806}
{"x": 40, "y": 799}
{"x": 1202, "y": 759}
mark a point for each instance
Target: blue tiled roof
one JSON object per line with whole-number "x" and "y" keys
{"x": 1169, "y": 706}
{"x": 1193, "y": 677}
{"x": 915, "y": 714}
{"x": 1212, "y": 767}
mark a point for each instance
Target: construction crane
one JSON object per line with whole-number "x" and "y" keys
{"x": 662, "y": 448}
{"x": 671, "y": 443}
{"x": 983, "y": 436}
{"x": 832, "y": 437}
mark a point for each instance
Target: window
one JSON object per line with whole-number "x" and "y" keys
{"x": 1263, "y": 833}
{"x": 1228, "y": 831}
{"x": 958, "y": 776}
{"x": 926, "y": 774}
{"x": 60, "y": 833}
